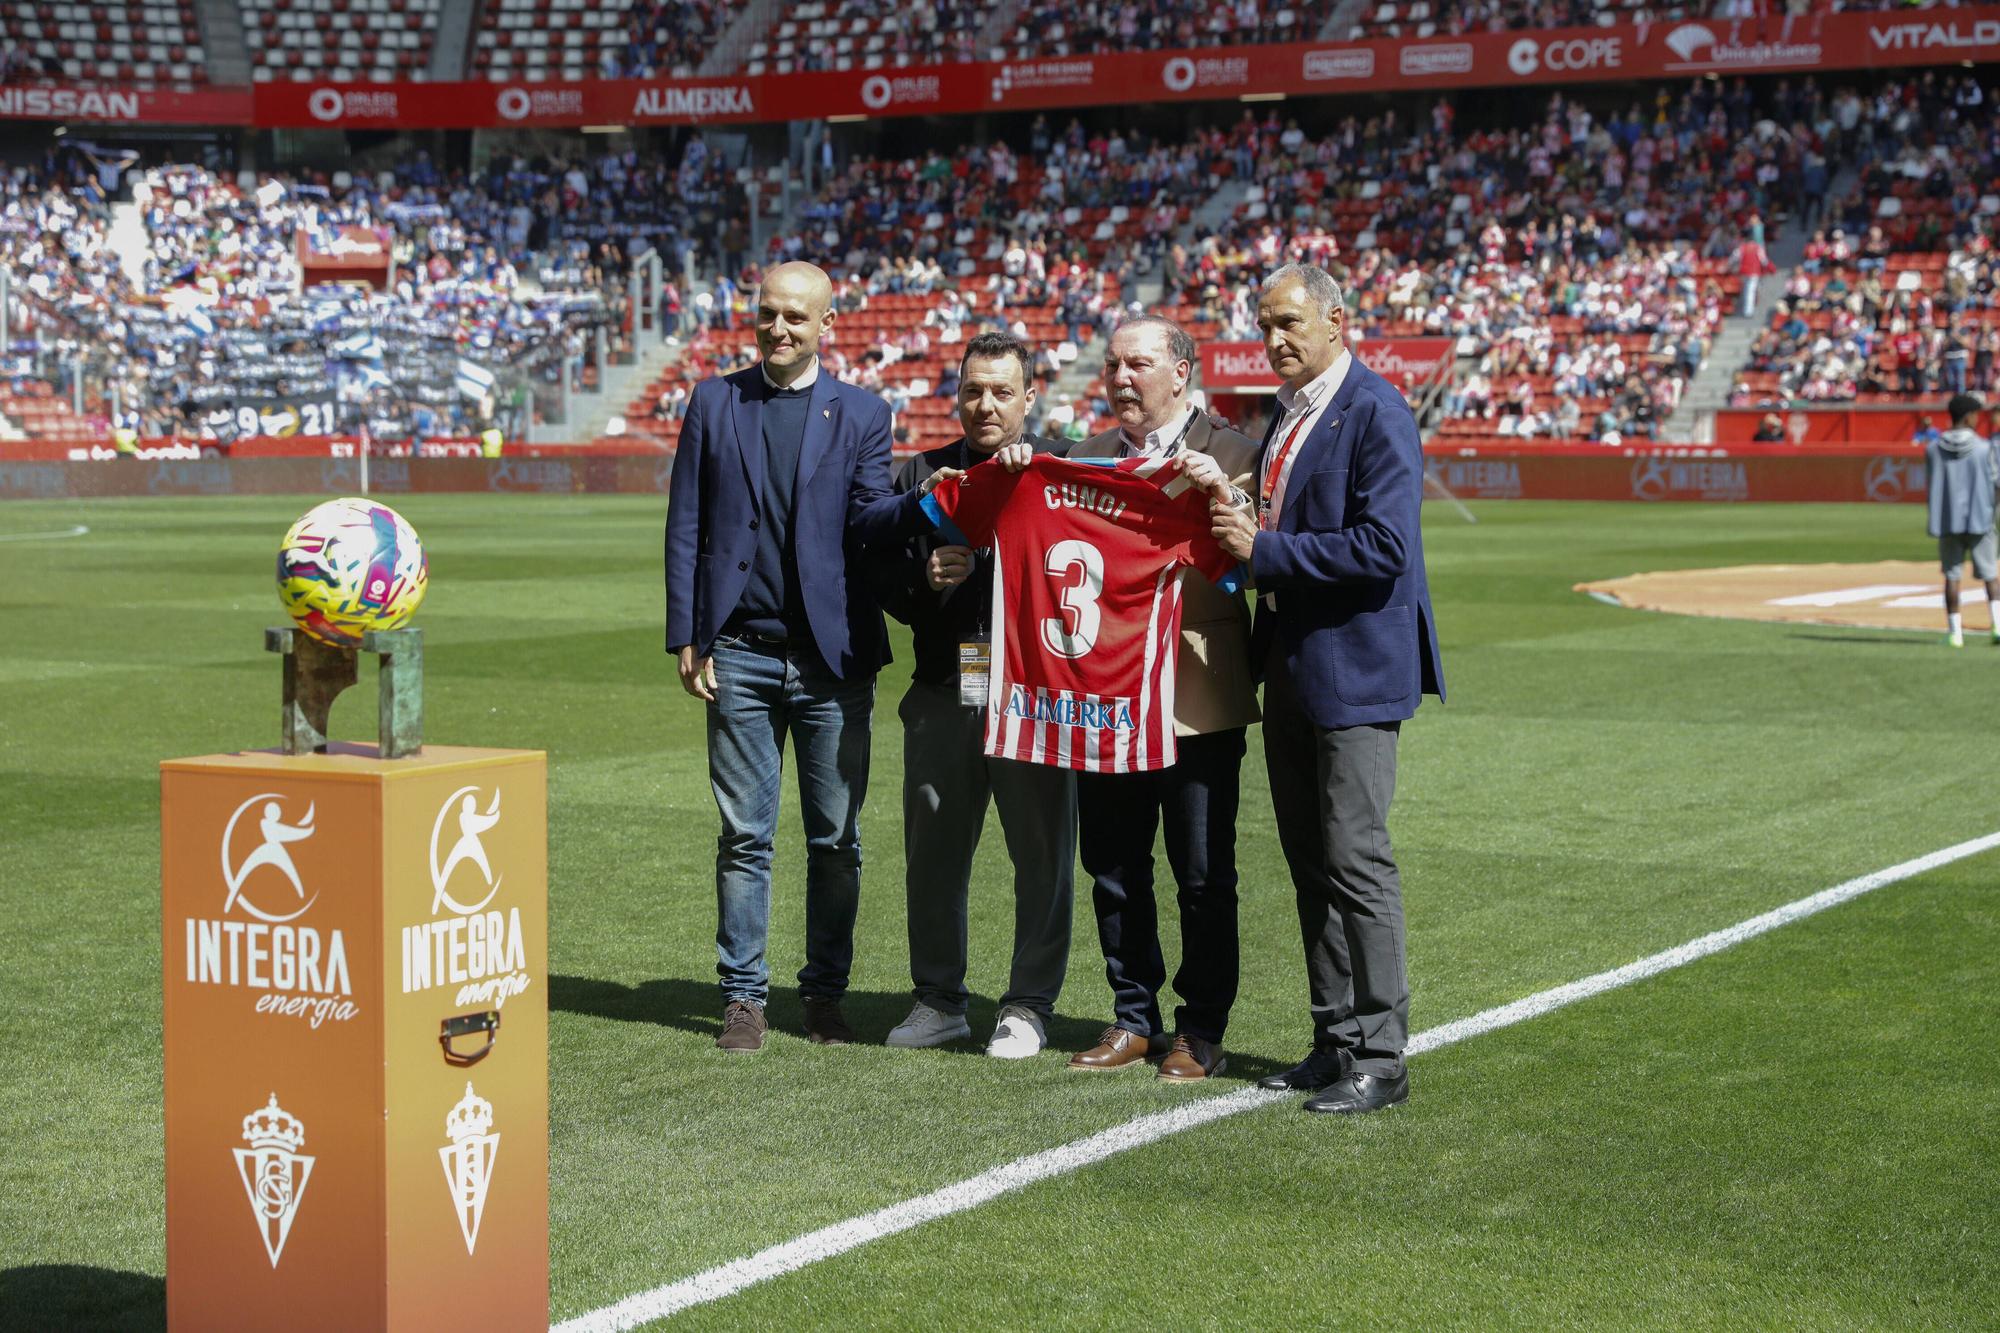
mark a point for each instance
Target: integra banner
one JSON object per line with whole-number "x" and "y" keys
{"x": 1879, "y": 474}
{"x": 1527, "y": 60}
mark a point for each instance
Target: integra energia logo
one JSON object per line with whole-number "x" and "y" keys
{"x": 260, "y": 942}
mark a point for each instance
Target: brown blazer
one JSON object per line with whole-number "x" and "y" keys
{"x": 1213, "y": 690}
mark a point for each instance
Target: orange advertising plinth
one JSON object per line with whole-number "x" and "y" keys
{"x": 356, "y": 960}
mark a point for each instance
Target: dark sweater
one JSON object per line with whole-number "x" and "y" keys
{"x": 771, "y": 604}
{"x": 940, "y": 621}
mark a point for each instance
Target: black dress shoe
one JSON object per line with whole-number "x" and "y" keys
{"x": 1322, "y": 1068}
{"x": 1362, "y": 1092}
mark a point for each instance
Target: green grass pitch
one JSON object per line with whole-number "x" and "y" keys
{"x": 1799, "y": 1132}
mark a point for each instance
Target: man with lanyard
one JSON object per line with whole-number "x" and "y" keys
{"x": 1348, "y": 647}
{"x": 944, "y": 593}
{"x": 1149, "y": 372}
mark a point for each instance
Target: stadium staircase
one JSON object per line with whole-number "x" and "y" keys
{"x": 588, "y": 412}
{"x": 451, "y": 47}
{"x": 748, "y": 27}
{"x": 226, "y": 52}
{"x": 1693, "y": 421}
{"x": 1212, "y": 217}
{"x": 1000, "y": 24}
{"x": 1345, "y": 18}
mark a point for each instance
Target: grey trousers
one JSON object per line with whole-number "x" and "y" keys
{"x": 947, "y": 782}
{"x": 1331, "y": 789}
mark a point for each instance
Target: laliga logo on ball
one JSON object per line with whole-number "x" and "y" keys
{"x": 875, "y": 92}
{"x": 513, "y": 103}
{"x": 468, "y": 848}
{"x": 271, "y": 852}
{"x": 350, "y": 566}
{"x": 1179, "y": 74}
{"x": 468, "y": 1161}
{"x": 1525, "y": 56}
{"x": 274, "y": 1174}
{"x": 325, "y": 104}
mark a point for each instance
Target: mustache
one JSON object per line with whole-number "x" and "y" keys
{"x": 1125, "y": 396}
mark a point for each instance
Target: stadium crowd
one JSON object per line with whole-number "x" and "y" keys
{"x": 1895, "y": 294}
{"x": 213, "y": 325}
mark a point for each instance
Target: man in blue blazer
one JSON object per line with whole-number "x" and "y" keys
{"x": 1348, "y": 646}
{"x": 782, "y": 474}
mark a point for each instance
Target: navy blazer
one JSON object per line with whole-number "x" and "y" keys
{"x": 1346, "y": 564}
{"x": 843, "y": 498}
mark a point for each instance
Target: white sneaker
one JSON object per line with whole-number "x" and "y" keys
{"x": 1018, "y": 1035}
{"x": 928, "y": 1027}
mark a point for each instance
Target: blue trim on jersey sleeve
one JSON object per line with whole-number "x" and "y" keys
{"x": 1093, "y": 462}
{"x": 946, "y": 528}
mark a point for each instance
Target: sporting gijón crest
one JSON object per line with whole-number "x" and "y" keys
{"x": 274, "y": 1172}
{"x": 468, "y": 1161}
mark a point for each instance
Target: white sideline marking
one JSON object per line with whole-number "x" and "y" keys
{"x": 77, "y": 531}
{"x": 737, "y": 1275}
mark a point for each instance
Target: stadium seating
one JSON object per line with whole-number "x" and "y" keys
{"x": 894, "y": 343}
{"x": 341, "y": 40}
{"x": 38, "y": 412}
{"x": 152, "y": 42}
{"x": 1062, "y": 28}
{"x": 870, "y": 34}
{"x": 540, "y": 40}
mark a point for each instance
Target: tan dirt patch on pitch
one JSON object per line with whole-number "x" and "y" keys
{"x": 1889, "y": 594}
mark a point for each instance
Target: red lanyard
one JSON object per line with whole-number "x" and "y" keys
{"x": 1277, "y": 468}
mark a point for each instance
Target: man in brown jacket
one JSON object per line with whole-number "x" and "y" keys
{"x": 1148, "y": 373}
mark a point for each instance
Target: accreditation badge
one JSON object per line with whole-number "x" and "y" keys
{"x": 975, "y": 671}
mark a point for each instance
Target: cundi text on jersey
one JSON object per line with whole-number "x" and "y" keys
{"x": 1074, "y": 495}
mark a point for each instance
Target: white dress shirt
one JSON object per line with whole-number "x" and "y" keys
{"x": 1307, "y": 406}
{"x": 799, "y": 385}
{"x": 1158, "y": 443}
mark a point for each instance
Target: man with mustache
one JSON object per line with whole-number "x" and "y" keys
{"x": 1148, "y": 373}
{"x": 944, "y": 593}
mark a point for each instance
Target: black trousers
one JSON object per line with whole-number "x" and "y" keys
{"x": 1120, "y": 815}
{"x": 947, "y": 784}
{"x": 1330, "y": 790}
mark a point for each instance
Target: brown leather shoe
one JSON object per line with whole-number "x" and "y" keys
{"x": 1117, "y": 1048}
{"x": 742, "y": 1028}
{"x": 825, "y": 1025}
{"x": 1192, "y": 1060}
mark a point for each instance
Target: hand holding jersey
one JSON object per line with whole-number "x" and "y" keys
{"x": 1086, "y": 603}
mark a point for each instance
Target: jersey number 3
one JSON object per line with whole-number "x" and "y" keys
{"x": 1074, "y": 632}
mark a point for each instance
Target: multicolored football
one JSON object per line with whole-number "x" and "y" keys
{"x": 349, "y": 566}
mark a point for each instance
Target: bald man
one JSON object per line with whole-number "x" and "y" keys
{"x": 780, "y": 471}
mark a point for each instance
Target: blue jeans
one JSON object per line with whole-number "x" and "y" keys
{"x": 761, "y": 693}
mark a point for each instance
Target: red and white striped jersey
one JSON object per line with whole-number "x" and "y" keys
{"x": 1086, "y": 604}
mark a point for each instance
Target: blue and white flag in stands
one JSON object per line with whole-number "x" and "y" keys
{"x": 474, "y": 380}
{"x": 359, "y": 347}
{"x": 371, "y": 377}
